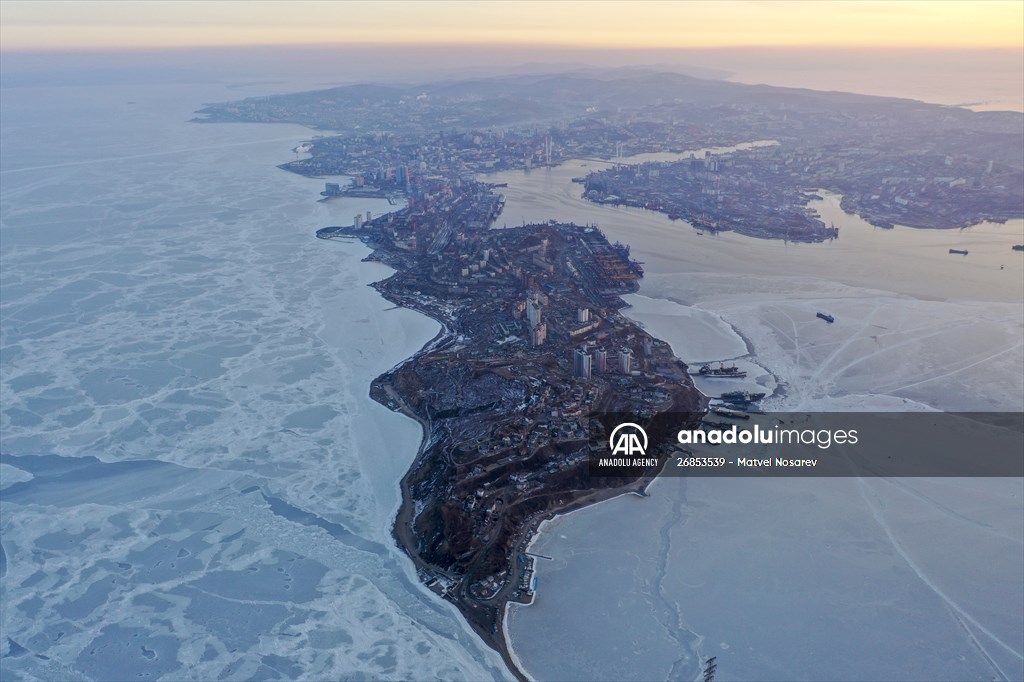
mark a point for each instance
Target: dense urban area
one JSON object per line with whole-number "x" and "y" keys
{"x": 894, "y": 161}
{"x": 533, "y": 343}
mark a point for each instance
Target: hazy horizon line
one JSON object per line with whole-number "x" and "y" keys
{"x": 560, "y": 47}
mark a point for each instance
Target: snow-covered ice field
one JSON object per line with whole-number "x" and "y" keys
{"x": 885, "y": 351}
{"x": 796, "y": 579}
{"x": 195, "y": 484}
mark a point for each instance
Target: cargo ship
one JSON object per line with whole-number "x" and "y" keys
{"x": 959, "y": 252}
{"x": 741, "y": 397}
{"x": 721, "y": 371}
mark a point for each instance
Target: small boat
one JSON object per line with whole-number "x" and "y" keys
{"x": 959, "y": 252}
{"x": 825, "y": 316}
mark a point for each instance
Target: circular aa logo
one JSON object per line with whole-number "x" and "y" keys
{"x": 628, "y": 439}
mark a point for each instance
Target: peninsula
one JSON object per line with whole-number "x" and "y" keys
{"x": 532, "y": 344}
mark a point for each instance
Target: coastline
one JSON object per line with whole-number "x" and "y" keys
{"x": 779, "y": 392}
{"x": 400, "y": 529}
{"x": 864, "y": 256}
{"x": 485, "y": 618}
{"x": 501, "y": 640}
{"x": 286, "y": 329}
{"x": 509, "y": 647}
{"x": 776, "y": 388}
{"x": 401, "y": 504}
{"x": 404, "y": 537}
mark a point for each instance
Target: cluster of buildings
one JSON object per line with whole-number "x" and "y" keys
{"x": 764, "y": 191}
{"x": 536, "y": 342}
{"x": 894, "y": 161}
{"x": 742, "y": 192}
{"x": 586, "y": 363}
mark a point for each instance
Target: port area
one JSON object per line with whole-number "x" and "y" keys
{"x": 532, "y": 342}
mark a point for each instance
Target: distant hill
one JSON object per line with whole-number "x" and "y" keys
{"x": 537, "y": 99}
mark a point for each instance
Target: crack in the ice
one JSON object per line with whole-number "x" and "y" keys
{"x": 667, "y": 610}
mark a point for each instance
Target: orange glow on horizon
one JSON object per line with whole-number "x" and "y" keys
{"x": 104, "y": 24}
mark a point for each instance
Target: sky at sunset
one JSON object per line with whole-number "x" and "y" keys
{"x": 99, "y": 24}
